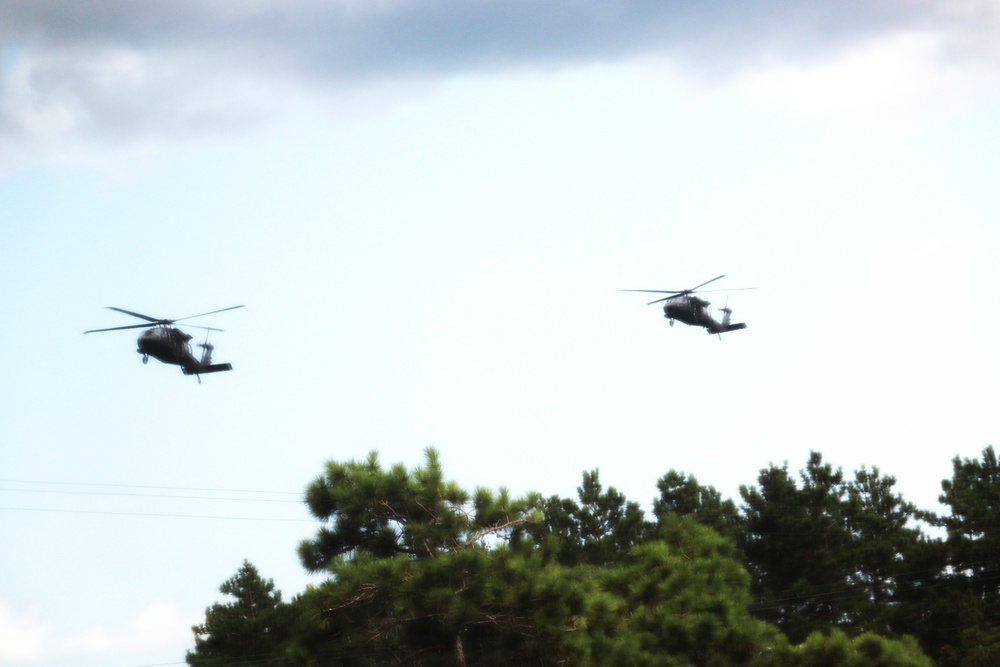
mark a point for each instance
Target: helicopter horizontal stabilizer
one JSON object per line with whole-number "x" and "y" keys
{"x": 729, "y": 327}
{"x": 210, "y": 368}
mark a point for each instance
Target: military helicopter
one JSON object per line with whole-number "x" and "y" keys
{"x": 170, "y": 345}
{"x": 684, "y": 307}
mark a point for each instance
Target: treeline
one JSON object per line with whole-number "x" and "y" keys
{"x": 816, "y": 568}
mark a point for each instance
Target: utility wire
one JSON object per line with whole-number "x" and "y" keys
{"x": 92, "y": 489}
{"x": 146, "y": 486}
{"x": 158, "y": 514}
{"x": 157, "y": 495}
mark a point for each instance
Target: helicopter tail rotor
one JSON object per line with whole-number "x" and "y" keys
{"x": 726, "y": 312}
{"x": 206, "y": 356}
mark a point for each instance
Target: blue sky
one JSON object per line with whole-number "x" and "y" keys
{"x": 429, "y": 209}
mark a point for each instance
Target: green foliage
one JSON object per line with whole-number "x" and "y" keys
{"x": 597, "y": 530}
{"x": 383, "y": 513}
{"x": 884, "y": 551}
{"x": 794, "y": 542}
{"x": 836, "y": 649}
{"x": 973, "y": 494}
{"x": 681, "y": 495}
{"x": 818, "y": 569}
{"x": 964, "y": 627}
{"x": 415, "y": 561}
{"x": 558, "y": 582}
{"x": 831, "y": 552}
{"x": 686, "y": 602}
{"x": 252, "y": 630}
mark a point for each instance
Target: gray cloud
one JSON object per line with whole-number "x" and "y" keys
{"x": 370, "y": 38}
{"x": 127, "y": 67}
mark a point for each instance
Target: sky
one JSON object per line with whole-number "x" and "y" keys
{"x": 428, "y": 209}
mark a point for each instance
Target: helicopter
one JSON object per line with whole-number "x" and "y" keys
{"x": 171, "y": 345}
{"x": 684, "y": 307}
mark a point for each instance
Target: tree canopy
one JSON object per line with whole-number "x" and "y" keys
{"x": 818, "y": 568}
{"x": 253, "y": 629}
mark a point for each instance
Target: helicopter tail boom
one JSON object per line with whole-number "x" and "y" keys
{"x": 208, "y": 368}
{"x": 727, "y": 327}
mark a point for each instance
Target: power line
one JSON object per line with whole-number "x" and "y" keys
{"x": 157, "y": 495}
{"x": 156, "y": 514}
{"x": 94, "y": 489}
{"x": 147, "y": 486}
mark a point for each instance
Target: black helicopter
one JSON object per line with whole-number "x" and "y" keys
{"x": 170, "y": 345}
{"x": 684, "y": 307}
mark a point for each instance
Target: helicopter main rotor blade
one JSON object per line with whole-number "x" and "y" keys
{"x": 146, "y": 326}
{"x": 656, "y": 291}
{"x": 705, "y": 283}
{"x": 189, "y": 317}
{"x": 130, "y": 326}
{"x": 140, "y": 316}
{"x": 672, "y": 292}
{"x": 685, "y": 292}
{"x": 679, "y": 291}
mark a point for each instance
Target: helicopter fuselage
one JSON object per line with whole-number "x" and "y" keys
{"x": 171, "y": 346}
{"x": 694, "y": 312}
{"x": 168, "y": 345}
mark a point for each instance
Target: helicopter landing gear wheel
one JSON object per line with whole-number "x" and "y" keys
{"x": 145, "y": 358}
{"x": 671, "y": 323}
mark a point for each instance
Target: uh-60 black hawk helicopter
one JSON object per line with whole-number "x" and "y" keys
{"x": 170, "y": 345}
{"x": 684, "y": 307}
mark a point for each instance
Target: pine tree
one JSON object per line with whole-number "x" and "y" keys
{"x": 423, "y": 573}
{"x": 973, "y": 549}
{"x": 251, "y": 630}
{"x": 885, "y": 551}
{"x": 794, "y": 540}
{"x": 598, "y": 528}
{"x": 682, "y": 495}
{"x": 412, "y": 561}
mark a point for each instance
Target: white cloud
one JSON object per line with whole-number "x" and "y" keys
{"x": 77, "y": 83}
{"x": 901, "y": 80}
{"x": 159, "y": 626}
{"x": 21, "y": 639}
{"x": 28, "y": 639}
